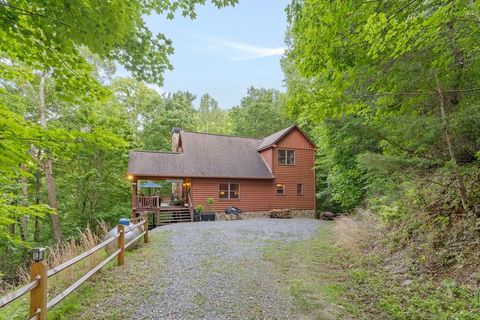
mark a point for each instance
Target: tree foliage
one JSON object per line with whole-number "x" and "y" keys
{"x": 405, "y": 71}
{"x": 211, "y": 118}
{"x": 261, "y": 113}
{"x": 49, "y": 34}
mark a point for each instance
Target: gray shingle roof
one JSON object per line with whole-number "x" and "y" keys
{"x": 204, "y": 155}
{"x": 271, "y": 139}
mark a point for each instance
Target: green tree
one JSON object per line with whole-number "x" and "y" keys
{"x": 178, "y": 111}
{"x": 49, "y": 34}
{"x": 261, "y": 113}
{"x": 405, "y": 69}
{"x": 211, "y": 118}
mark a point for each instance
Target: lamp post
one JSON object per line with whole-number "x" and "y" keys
{"x": 38, "y": 254}
{"x": 38, "y": 296}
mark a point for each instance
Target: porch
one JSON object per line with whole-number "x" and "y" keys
{"x": 164, "y": 200}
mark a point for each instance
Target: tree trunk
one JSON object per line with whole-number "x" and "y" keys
{"x": 24, "y": 219}
{"x": 48, "y": 166}
{"x": 36, "y": 233}
{"x": 451, "y": 152}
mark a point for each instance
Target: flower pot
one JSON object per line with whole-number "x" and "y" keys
{"x": 196, "y": 217}
{"x": 208, "y": 216}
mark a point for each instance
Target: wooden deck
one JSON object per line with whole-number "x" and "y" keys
{"x": 159, "y": 215}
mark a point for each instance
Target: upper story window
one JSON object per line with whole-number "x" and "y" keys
{"x": 229, "y": 191}
{"x": 286, "y": 157}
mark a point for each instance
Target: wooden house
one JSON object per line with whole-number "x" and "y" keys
{"x": 255, "y": 175}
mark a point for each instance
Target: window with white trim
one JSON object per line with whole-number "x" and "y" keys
{"x": 229, "y": 191}
{"x": 286, "y": 157}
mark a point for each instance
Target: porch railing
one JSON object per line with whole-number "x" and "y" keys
{"x": 148, "y": 202}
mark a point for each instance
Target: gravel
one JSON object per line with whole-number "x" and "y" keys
{"x": 216, "y": 271}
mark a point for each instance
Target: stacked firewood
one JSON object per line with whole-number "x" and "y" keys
{"x": 281, "y": 213}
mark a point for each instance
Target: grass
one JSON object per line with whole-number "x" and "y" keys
{"x": 331, "y": 276}
{"x": 113, "y": 292}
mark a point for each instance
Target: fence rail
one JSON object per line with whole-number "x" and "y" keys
{"x": 19, "y": 292}
{"x": 37, "y": 287}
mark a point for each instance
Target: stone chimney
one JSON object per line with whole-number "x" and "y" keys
{"x": 176, "y": 139}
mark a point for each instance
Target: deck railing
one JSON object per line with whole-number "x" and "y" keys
{"x": 148, "y": 202}
{"x": 39, "y": 304}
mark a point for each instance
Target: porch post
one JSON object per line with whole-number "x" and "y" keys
{"x": 134, "y": 197}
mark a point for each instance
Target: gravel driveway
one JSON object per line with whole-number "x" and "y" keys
{"x": 216, "y": 271}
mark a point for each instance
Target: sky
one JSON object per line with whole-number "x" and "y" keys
{"x": 225, "y": 51}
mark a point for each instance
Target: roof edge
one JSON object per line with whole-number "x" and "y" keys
{"x": 155, "y": 151}
{"x": 222, "y": 135}
{"x": 284, "y": 134}
{"x": 203, "y": 177}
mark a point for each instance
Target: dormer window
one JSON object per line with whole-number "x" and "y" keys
{"x": 286, "y": 157}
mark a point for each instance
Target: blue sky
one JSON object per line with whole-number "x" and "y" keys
{"x": 225, "y": 51}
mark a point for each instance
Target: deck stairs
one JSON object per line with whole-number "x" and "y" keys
{"x": 173, "y": 215}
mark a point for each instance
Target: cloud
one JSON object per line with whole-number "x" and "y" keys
{"x": 236, "y": 50}
{"x": 249, "y": 52}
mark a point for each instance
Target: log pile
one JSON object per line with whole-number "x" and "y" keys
{"x": 327, "y": 216}
{"x": 281, "y": 213}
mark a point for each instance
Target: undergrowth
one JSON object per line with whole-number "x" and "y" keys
{"x": 111, "y": 280}
{"x": 345, "y": 272}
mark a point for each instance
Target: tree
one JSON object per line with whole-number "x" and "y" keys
{"x": 260, "y": 113}
{"x": 177, "y": 111}
{"x": 49, "y": 35}
{"x": 141, "y": 104}
{"x": 405, "y": 68}
{"x": 211, "y": 118}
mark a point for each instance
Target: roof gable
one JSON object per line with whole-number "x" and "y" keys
{"x": 275, "y": 138}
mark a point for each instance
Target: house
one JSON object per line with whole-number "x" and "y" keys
{"x": 255, "y": 175}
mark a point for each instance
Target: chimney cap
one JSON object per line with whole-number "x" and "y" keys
{"x": 176, "y": 130}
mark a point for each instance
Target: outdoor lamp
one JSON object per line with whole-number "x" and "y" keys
{"x": 38, "y": 254}
{"x": 130, "y": 177}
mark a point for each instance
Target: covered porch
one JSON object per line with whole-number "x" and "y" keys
{"x": 165, "y": 200}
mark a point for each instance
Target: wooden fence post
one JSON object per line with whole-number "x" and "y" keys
{"x": 121, "y": 244}
{"x": 145, "y": 228}
{"x": 38, "y": 296}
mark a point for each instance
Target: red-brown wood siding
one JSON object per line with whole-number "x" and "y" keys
{"x": 291, "y": 175}
{"x": 255, "y": 195}
{"x": 252, "y": 194}
{"x": 300, "y": 173}
{"x": 267, "y": 156}
{"x": 295, "y": 140}
{"x": 260, "y": 195}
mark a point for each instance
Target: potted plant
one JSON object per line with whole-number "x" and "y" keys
{"x": 197, "y": 211}
{"x": 209, "y": 215}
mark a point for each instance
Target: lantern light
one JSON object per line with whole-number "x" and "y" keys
{"x": 38, "y": 254}
{"x": 130, "y": 177}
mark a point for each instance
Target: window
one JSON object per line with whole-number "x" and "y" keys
{"x": 229, "y": 191}
{"x": 280, "y": 189}
{"x": 223, "y": 191}
{"x": 299, "y": 189}
{"x": 286, "y": 157}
